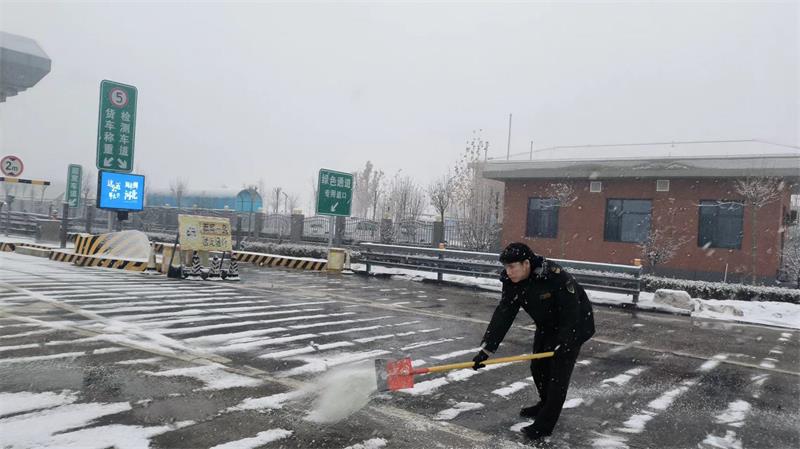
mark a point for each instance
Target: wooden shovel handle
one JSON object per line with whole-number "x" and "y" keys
{"x": 516, "y": 358}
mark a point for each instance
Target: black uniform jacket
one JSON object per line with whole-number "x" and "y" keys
{"x": 556, "y": 302}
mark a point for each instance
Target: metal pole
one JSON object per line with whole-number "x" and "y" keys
{"x": 89, "y": 218}
{"x": 64, "y": 224}
{"x": 508, "y": 150}
{"x": 9, "y": 200}
{"x": 238, "y": 232}
{"x": 331, "y": 226}
{"x": 531, "y": 150}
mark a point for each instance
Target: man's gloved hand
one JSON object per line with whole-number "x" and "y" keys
{"x": 479, "y": 359}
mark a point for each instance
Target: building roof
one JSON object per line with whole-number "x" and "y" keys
{"x": 717, "y": 159}
{"x": 22, "y": 64}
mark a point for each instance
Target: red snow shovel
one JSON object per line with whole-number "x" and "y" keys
{"x": 398, "y": 374}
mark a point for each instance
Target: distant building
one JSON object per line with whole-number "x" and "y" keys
{"x": 203, "y": 199}
{"x": 625, "y": 195}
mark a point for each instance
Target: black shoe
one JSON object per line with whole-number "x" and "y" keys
{"x": 533, "y": 433}
{"x": 530, "y": 412}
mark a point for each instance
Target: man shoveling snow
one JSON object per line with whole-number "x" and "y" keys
{"x": 564, "y": 321}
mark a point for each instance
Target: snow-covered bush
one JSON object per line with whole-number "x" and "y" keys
{"x": 286, "y": 249}
{"x": 721, "y": 290}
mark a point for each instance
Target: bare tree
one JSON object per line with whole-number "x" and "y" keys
{"x": 88, "y": 185}
{"x": 477, "y": 199}
{"x": 261, "y": 188}
{"x": 661, "y": 245}
{"x": 361, "y": 196}
{"x": 292, "y": 201}
{"x": 41, "y": 198}
{"x": 441, "y": 193}
{"x": 275, "y": 200}
{"x": 178, "y": 188}
{"x": 314, "y": 192}
{"x": 406, "y": 200}
{"x": 564, "y": 196}
{"x": 757, "y": 193}
{"x": 375, "y": 190}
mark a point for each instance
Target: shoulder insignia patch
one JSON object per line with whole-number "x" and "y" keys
{"x": 571, "y": 287}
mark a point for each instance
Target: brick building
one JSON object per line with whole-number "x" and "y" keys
{"x": 665, "y": 198}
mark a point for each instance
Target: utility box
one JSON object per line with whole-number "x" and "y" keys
{"x": 48, "y": 231}
{"x": 336, "y": 259}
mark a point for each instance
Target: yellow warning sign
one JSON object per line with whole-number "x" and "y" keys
{"x": 204, "y": 233}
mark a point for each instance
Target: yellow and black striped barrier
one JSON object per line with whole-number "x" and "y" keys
{"x": 34, "y": 245}
{"x": 7, "y": 247}
{"x": 36, "y": 182}
{"x": 92, "y": 245}
{"x": 63, "y": 256}
{"x": 107, "y": 262}
{"x": 268, "y": 260}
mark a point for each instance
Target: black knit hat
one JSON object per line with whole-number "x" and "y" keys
{"x": 516, "y": 252}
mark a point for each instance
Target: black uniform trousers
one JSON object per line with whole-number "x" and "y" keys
{"x": 551, "y": 376}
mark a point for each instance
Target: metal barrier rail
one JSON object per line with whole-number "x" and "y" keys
{"x": 613, "y": 278}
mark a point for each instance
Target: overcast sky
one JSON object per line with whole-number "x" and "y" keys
{"x": 229, "y": 94}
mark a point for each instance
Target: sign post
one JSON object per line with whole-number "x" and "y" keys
{"x": 335, "y": 193}
{"x": 334, "y": 197}
{"x": 74, "y": 179}
{"x": 116, "y": 127}
{"x": 198, "y": 233}
{"x": 11, "y": 166}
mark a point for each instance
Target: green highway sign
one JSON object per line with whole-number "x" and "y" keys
{"x": 116, "y": 127}
{"x": 335, "y": 193}
{"x": 74, "y": 177}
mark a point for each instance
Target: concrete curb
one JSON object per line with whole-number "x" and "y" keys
{"x": 33, "y": 251}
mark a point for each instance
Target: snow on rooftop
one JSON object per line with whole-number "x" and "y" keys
{"x": 684, "y": 149}
{"x": 672, "y": 159}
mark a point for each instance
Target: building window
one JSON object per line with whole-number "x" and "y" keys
{"x": 627, "y": 220}
{"x": 721, "y": 224}
{"x": 542, "y": 218}
{"x": 662, "y": 185}
{"x": 595, "y": 186}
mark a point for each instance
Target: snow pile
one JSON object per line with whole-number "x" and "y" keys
{"x": 461, "y": 407}
{"x": 272, "y": 402}
{"x": 259, "y": 440}
{"x": 335, "y": 395}
{"x": 213, "y": 376}
{"x": 674, "y": 298}
{"x": 11, "y": 403}
{"x": 719, "y": 309}
{"x": 342, "y": 392}
{"x": 374, "y": 443}
{"x": 126, "y": 245}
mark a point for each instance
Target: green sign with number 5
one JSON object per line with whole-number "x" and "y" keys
{"x": 116, "y": 127}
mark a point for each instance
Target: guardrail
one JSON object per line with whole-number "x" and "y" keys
{"x": 613, "y": 278}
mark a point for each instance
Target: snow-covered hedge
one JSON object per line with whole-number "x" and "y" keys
{"x": 287, "y": 249}
{"x": 720, "y": 290}
{"x": 160, "y": 237}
